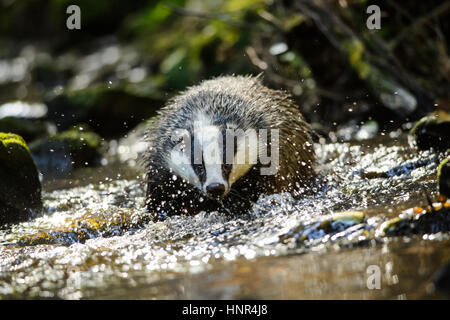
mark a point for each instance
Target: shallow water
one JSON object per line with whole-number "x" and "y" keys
{"x": 95, "y": 239}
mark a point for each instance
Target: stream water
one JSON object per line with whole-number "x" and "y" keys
{"x": 94, "y": 238}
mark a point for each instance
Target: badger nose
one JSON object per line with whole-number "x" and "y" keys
{"x": 215, "y": 189}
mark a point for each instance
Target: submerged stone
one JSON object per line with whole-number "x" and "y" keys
{"x": 20, "y": 188}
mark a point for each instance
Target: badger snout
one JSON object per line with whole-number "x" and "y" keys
{"x": 216, "y": 190}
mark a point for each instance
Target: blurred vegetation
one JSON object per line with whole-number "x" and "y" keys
{"x": 322, "y": 51}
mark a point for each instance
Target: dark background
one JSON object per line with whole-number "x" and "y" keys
{"x": 340, "y": 72}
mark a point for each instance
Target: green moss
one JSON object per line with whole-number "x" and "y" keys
{"x": 78, "y": 140}
{"x": 349, "y": 217}
{"x": 12, "y": 140}
{"x": 14, "y": 151}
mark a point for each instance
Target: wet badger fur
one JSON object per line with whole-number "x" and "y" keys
{"x": 206, "y": 113}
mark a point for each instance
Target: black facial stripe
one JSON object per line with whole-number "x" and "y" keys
{"x": 227, "y": 167}
{"x": 226, "y": 170}
{"x": 199, "y": 166}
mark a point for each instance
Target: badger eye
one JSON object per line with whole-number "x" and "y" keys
{"x": 226, "y": 169}
{"x": 199, "y": 170}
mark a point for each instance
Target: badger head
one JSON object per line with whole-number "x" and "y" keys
{"x": 212, "y": 156}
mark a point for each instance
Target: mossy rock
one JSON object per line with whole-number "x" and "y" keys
{"x": 27, "y": 129}
{"x": 427, "y": 223}
{"x": 59, "y": 154}
{"x": 87, "y": 227}
{"x": 389, "y": 226}
{"x": 348, "y": 217}
{"x": 20, "y": 188}
{"x": 111, "y": 112}
{"x": 443, "y": 177}
{"x": 433, "y": 131}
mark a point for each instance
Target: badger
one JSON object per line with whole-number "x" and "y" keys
{"x": 221, "y": 144}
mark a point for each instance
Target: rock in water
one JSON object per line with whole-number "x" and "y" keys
{"x": 433, "y": 131}
{"x": 59, "y": 154}
{"x": 443, "y": 176}
{"x": 20, "y": 189}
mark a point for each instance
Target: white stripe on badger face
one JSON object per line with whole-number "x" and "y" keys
{"x": 183, "y": 168}
{"x": 211, "y": 142}
{"x": 179, "y": 160}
